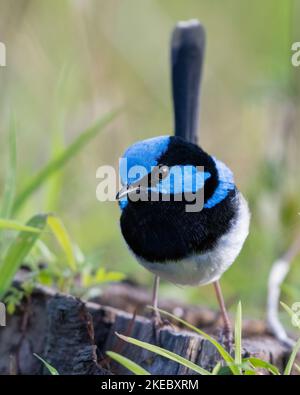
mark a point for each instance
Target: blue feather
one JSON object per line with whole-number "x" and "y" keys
{"x": 226, "y": 184}
{"x": 142, "y": 154}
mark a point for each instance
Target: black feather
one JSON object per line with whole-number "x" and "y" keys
{"x": 187, "y": 53}
{"x": 164, "y": 231}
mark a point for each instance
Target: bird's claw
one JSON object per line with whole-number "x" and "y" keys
{"x": 159, "y": 323}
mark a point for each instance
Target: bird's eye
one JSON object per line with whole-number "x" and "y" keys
{"x": 163, "y": 172}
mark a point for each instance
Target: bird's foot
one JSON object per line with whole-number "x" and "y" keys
{"x": 159, "y": 323}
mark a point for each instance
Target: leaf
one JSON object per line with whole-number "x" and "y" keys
{"x": 226, "y": 356}
{"x": 10, "y": 181}
{"x": 103, "y": 276}
{"x": 238, "y": 335}
{"x": 249, "y": 373}
{"x": 289, "y": 366}
{"x": 63, "y": 239}
{"x": 165, "y": 353}
{"x": 18, "y": 250}
{"x": 51, "y": 369}
{"x": 127, "y": 363}
{"x": 13, "y": 225}
{"x": 61, "y": 159}
{"x": 260, "y": 363}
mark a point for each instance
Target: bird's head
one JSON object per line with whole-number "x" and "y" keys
{"x": 166, "y": 165}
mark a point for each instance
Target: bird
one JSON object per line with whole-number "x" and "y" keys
{"x": 160, "y": 175}
{"x": 182, "y": 247}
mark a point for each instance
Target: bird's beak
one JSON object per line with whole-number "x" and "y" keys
{"x": 126, "y": 190}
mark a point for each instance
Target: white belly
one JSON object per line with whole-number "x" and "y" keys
{"x": 207, "y": 267}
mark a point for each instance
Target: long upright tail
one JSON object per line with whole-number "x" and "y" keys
{"x": 187, "y": 53}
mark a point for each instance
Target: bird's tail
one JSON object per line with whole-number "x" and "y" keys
{"x": 187, "y": 53}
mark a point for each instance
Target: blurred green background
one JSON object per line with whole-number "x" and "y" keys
{"x": 69, "y": 62}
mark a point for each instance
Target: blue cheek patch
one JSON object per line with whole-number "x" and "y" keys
{"x": 226, "y": 184}
{"x": 182, "y": 179}
{"x": 142, "y": 154}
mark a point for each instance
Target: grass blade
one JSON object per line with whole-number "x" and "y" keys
{"x": 63, "y": 239}
{"x": 226, "y": 356}
{"x": 259, "y": 363}
{"x": 216, "y": 369}
{"x": 238, "y": 335}
{"x": 51, "y": 369}
{"x": 165, "y": 353}
{"x": 10, "y": 182}
{"x": 292, "y": 314}
{"x": 58, "y": 162}
{"x": 18, "y": 251}
{"x": 8, "y": 224}
{"x": 289, "y": 366}
{"x": 128, "y": 363}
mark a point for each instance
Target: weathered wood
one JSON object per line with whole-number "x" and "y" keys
{"x": 23, "y": 336}
{"x": 74, "y": 336}
{"x": 70, "y": 332}
{"x": 132, "y": 299}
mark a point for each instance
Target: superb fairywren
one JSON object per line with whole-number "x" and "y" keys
{"x": 189, "y": 248}
{"x": 182, "y": 246}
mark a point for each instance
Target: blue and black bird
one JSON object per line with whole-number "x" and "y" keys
{"x": 178, "y": 245}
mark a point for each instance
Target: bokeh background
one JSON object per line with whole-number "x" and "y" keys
{"x": 69, "y": 62}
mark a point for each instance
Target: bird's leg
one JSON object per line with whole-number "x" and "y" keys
{"x": 158, "y": 322}
{"x": 156, "y": 314}
{"x": 226, "y": 321}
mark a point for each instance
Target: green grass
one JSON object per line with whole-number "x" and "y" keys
{"x": 238, "y": 335}
{"x": 18, "y": 251}
{"x": 63, "y": 238}
{"x": 20, "y": 247}
{"x": 57, "y": 163}
{"x": 10, "y": 179}
{"x": 127, "y": 363}
{"x": 7, "y": 224}
{"x": 50, "y": 368}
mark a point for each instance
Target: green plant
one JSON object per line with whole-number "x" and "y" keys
{"x": 126, "y": 362}
{"x": 61, "y": 159}
{"x": 18, "y": 250}
{"x": 296, "y": 348}
{"x": 51, "y": 369}
{"x": 70, "y": 272}
{"x": 10, "y": 179}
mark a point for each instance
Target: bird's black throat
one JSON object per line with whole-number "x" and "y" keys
{"x": 164, "y": 231}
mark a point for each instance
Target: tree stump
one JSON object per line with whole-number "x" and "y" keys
{"x": 73, "y": 336}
